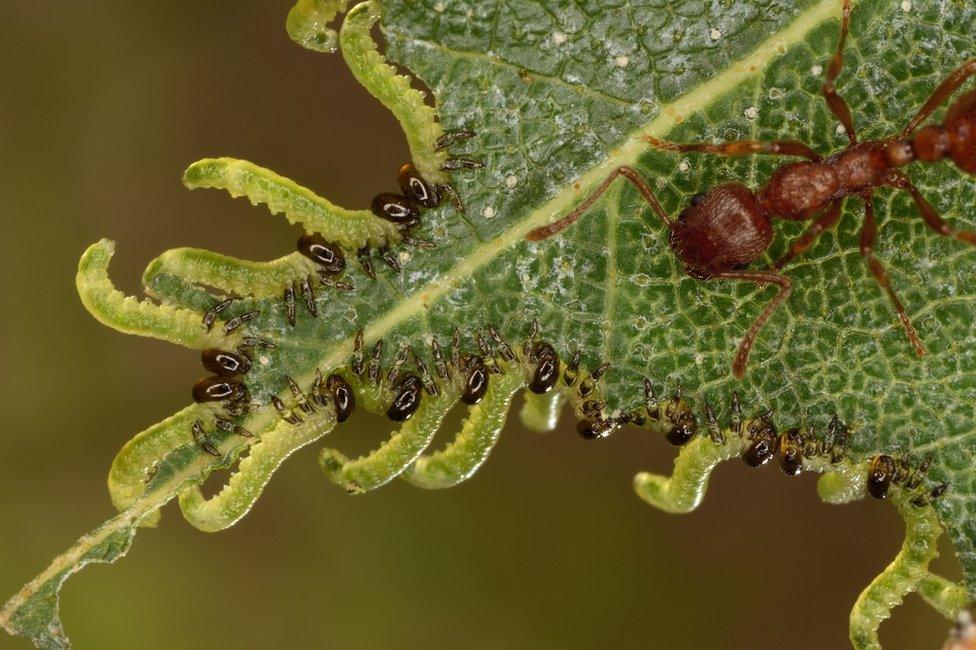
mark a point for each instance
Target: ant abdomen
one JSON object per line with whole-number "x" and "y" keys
{"x": 725, "y": 229}
{"x": 225, "y": 364}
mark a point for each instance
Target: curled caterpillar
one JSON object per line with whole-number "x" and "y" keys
{"x": 482, "y": 371}
{"x": 415, "y": 385}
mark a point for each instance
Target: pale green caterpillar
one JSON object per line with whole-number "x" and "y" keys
{"x": 844, "y": 481}
{"x": 308, "y": 23}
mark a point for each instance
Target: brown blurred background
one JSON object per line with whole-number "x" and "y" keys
{"x": 102, "y": 105}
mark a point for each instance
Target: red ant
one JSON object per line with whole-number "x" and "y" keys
{"x": 729, "y": 227}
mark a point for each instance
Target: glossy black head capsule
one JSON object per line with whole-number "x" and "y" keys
{"x": 475, "y": 380}
{"x": 324, "y": 253}
{"x": 880, "y": 473}
{"x": 684, "y": 429}
{"x": 413, "y": 186}
{"x": 791, "y": 446}
{"x": 342, "y": 397}
{"x": 225, "y": 364}
{"x": 595, "y": 429}
{"x": 547, "y": 371}
{"x": 764, "y": 442}
{"x": 218, "y": 389}
{"x": 397, "y": 209}
{"x": 406, "y": 398}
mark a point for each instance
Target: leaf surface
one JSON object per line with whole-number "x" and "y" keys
{"x": 559, "y": 94}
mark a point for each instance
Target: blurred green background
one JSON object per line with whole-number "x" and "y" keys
{"x": 102, "y": 105}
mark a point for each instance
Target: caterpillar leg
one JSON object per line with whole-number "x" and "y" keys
{"x": 395, "y": 455}
{"x": 470, "y": 449}
{"x": 353, "y": 229}
{"x": 130, "y": 315}
{"x": 393, "y": 90}
{"x": 308, "y": 23}
{"x": 248, "y": 482}
{"x": 944, "y": 596}
{"x": 541, "y": 412}
{"x": 903, "y": 576}
{"x": 684, "y": 490}
{"x": 241, "y": 277}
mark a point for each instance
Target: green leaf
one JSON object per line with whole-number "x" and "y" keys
{"x": 560, "y": 94}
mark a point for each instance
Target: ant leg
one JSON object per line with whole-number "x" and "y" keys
{"x": 628, "y": 173}
{"x": 945, "y": 89}
{"x": 800, "y": 245}
{"x": 742, "y": 356}
{"x": 868, "y": 234}
{"x": 740, "y": 148}
{"x": 900, "y": 180}
{"x": 836, "y": 103}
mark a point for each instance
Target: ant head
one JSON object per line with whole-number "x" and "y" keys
{"x": 956, "y": 138}
{"x": 960, "y": 124}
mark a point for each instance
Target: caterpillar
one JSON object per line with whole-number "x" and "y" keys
{"x": 416, "y": 389}
{"x": 255, "y": 408}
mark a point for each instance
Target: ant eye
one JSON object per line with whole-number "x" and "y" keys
{"x": 698, "y": 198}
{"x": 326, "y": 254}
{"x": 397, "y": 209}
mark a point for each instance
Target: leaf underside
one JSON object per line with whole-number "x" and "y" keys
{"x": 558, "y": 94}
{"x": 548, "y": 112}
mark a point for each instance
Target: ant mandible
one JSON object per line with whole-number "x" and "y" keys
{"x": 729, "y": 227}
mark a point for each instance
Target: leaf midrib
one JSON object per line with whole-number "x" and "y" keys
{"x": 671, "y": 115}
